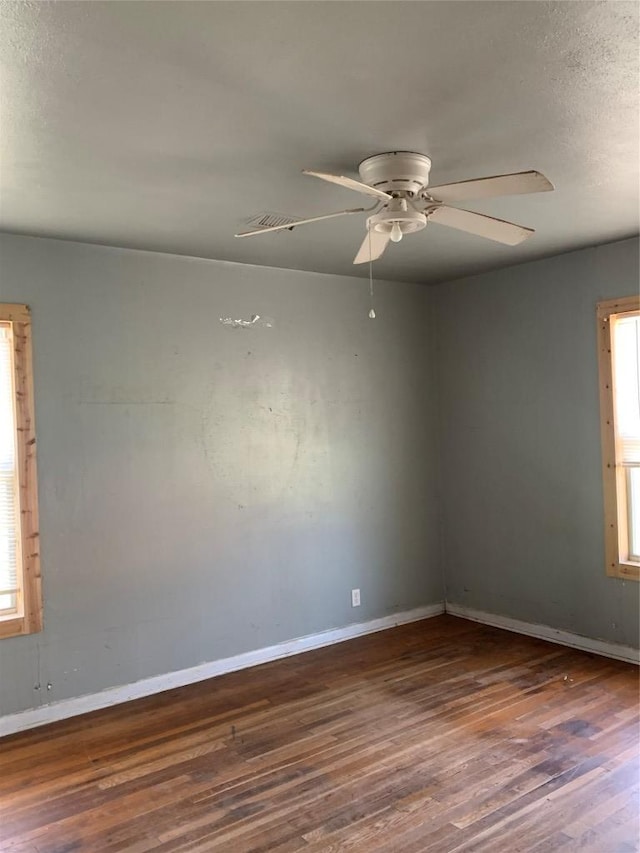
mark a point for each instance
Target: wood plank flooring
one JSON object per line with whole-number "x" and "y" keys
{"x": 438, "y": 736}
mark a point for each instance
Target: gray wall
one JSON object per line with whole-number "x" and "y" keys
{"x": 205, "y": 490}
{"x": 520, "y": 442}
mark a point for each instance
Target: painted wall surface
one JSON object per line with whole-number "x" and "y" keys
{"x": 520, "y": 443}
{"x": 205, "y": 490}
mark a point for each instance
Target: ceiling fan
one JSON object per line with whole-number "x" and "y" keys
{"x": 399, "y": 182}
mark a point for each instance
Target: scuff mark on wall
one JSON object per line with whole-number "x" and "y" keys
{"x": 125, "y": 402}
{"x": 256, "y": 320}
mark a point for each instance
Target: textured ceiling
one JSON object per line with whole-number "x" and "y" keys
{"x": 166, "y": 125}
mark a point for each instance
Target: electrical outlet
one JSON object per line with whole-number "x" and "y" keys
{"x": 355, "y": 598}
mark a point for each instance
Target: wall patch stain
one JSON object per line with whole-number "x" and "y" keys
{"x": 256, "y": 320}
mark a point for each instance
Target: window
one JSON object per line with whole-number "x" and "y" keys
{"x": 619, "y": 354}
{"x": 20, "y": 592}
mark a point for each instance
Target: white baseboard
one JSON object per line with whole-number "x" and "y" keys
{"x": 148, "y": 686}
{"x": 545, "y": 632}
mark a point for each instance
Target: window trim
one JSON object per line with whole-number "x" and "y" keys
{"x": 615, "y": 510}
{"x": 30, "y": 622}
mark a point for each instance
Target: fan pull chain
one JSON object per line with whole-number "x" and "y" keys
{"x": 372, "y": 313}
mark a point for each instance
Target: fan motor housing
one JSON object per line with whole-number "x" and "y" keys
{"x": 396, "y": 171}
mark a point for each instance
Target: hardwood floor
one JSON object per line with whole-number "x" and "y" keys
{"x": 438, "y": 736}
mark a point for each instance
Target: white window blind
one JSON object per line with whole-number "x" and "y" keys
{"x": 626, "y": 342}
{"x": 9, "y": 505}
{"x": 625, "y": 332}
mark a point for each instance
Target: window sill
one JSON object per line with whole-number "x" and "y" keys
{"x": 624, "y": 570}
{"x": 17, "y": 626}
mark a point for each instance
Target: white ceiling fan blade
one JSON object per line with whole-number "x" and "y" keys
{"x": 378, "y": 243}
{"x": 293, "y": 225}
{"x": 483, "y": 226}
{"x": 349, "y": 183}
{"x": 517, "y": 184}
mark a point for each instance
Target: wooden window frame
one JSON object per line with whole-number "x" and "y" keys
{"x": 29, "y": 621}
{"x": 615, "y": 509}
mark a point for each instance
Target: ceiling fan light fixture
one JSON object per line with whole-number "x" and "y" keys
{"x": 396, "y": 232}
{"x": 405, "y": 202}
{"x": 396, "y": 223}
